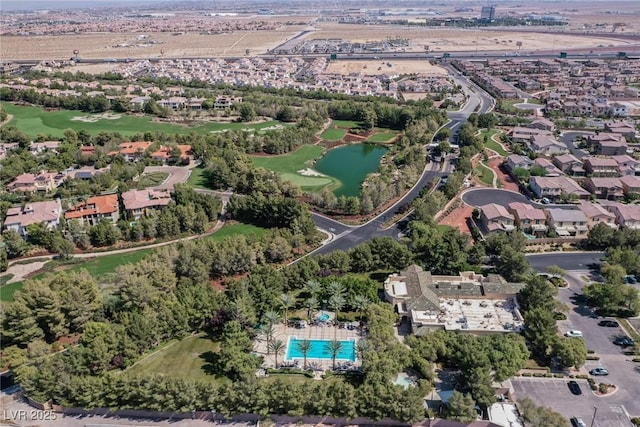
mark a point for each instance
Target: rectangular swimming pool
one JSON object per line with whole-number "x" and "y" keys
{"x": 319, "y": 350}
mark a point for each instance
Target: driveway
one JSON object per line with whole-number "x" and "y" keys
{"x": 177, "y": 175}
{"x": 554, "y": 393}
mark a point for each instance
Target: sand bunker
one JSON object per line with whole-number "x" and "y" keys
{"x": 96, "y": 117}
{"x": 310, "y": 172}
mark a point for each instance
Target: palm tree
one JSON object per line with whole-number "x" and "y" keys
{"x": 313, "y": 287}
{"x": 361, "y": 303}
{"x": 286, "y": 302}
{"x": 311, "y": 304}
{"x": 304, "y": 347}
{"x": 336, "y": 288}
{"x": 271, "y": 317}
{"x": 333, "y": 348}
{"x": 269, "y": 332}
{"x": 336, "y": 302}
{"x": 277, "y": 346}
{"x": 362, "y": 347}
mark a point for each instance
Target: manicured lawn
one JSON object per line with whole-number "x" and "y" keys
{"x": 288, "y": 166}
{"x": 345, "y": 124}
{"x": 443, "y": 228}
{"x": 235, "y": 229}
{"x": 7, "y": 291}
{"x": 108, "y": 263}
{"x": 34, "y": 120}
{"x": 333, "y": 134}
{"x": 189, "y": 359}
{"x": 381, "y": 137}
{"x": 484, "y": 174}
{"x": 491, "y": 144}
{"x": 152, "y": 179}
{"x": 198, "y": 178}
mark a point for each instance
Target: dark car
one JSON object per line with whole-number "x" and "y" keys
{"x": 574, "y": 387}
{"x": 624, "y": 341}
{"x": 608, "y": 323}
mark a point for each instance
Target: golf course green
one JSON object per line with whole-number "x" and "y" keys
{"x": 35, "y": 120}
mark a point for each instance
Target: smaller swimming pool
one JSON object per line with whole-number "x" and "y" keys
{"x": 319, "y": 350}
{"x": 323, "y": 317}
{"x": 404, "y": 380}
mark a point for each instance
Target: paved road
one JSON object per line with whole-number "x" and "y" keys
{"x": 568, "y": 139}
{"x": 482, "y": 196}
{"x": 348, "y": 237}
{"x": 177, "y": 175}
{"x": 565, "y": 260}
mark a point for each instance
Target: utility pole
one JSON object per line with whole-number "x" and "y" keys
{"x": 595, "y": 411}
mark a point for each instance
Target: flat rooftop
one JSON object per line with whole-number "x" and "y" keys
{"x": 491, "y": 315}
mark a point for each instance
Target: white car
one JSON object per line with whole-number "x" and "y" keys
{"x": 573, "y": 334}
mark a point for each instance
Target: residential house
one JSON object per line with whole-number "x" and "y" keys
{"x": 47, "y": 213}
{"x": 567, "y": 222}
{"x": 528, "y": 218}
{"x": 524, "y": 134}
{"x": 467, "y": 302}
{"x": 132, "y": 151}
{"x": 631, "y": 186}
{"x": 626, "y": 215}
{"x": 627, "y": 165}
{"x": 554, "y": 187}
{"x": 543, "y": 123}
{"x": 548, "y": 166}
{"x": 596, "y": 214}
{"x": 516, "y": 161}
{"x": 627, "y": 129}
{"x": 225, "y": 101}
{"x": 494, "y": 217}
{"x": 619, "y": 109}
{"x": 87, "y": 172}
{"x": 164, "y": 153}
{"x": 96, "y": 208}
{"x": 605, "y": 188}
{"x": 5, "y": 147}
{"x": 547, "y": 145}
{"x": 140, "y": 202}
{"x": 600, "y": 166}
{"x": 569, "y": 164}
{"x": 42, "y": 181}
{"x": 608, "y": 144}
{"x": 41, "y": 147}
{"x": 137, "y": 102}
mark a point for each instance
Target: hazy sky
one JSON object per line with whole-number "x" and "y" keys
{"x": 65, "y": 4}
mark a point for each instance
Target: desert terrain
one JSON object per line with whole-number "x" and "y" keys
{"x": 384, "y": 67}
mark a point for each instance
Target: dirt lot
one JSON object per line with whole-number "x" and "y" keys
{"x": 114, "y": 45}
{"x": 382, "y": 67}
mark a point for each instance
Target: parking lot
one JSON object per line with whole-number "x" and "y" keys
{"x": 555, "y": 394}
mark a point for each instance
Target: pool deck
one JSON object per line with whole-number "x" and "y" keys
{"x": 326, "y": 332}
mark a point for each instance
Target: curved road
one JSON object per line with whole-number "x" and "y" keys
{"x": 345, "y": 237}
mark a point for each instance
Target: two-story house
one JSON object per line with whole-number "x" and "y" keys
{"x": 528, "y": 218}
{"x": 567, "y": 222}
{"x": 600, "y": 166}
{"x": 596, "y": 214}
{"x": 95, "y": 209}
{"x": 569, "y": 164}
{"x": 605, "y": 188}
{"x": 47, "y": 213}
{"x": 140, "y": 202}
{"x": 631, "y": 186}
{"x": 554, "y": 187}
{"x": 494, "y": 217}
{"x": 626, "y": 215}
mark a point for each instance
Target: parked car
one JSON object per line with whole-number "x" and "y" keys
{"x": 600, "y": 371}
{"x": 573, "y": 334}
{"x": 574, "y": 387}
{"x": 608, "y": 323}
{"x": 630, "y": 279}
{"x": 578, "y": 422}
{"x": 545, "y": 201}
{"x": 624, "y": 341}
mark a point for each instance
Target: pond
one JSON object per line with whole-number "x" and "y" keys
{"x": 350, "y": 165}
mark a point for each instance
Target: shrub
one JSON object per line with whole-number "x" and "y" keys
{"x": 636, "y": 421}
{"x": 603, "y": 388}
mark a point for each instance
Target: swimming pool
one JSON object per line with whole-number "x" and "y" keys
{"x": 319, "y": 350}
{"x": 323, "y": 317}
